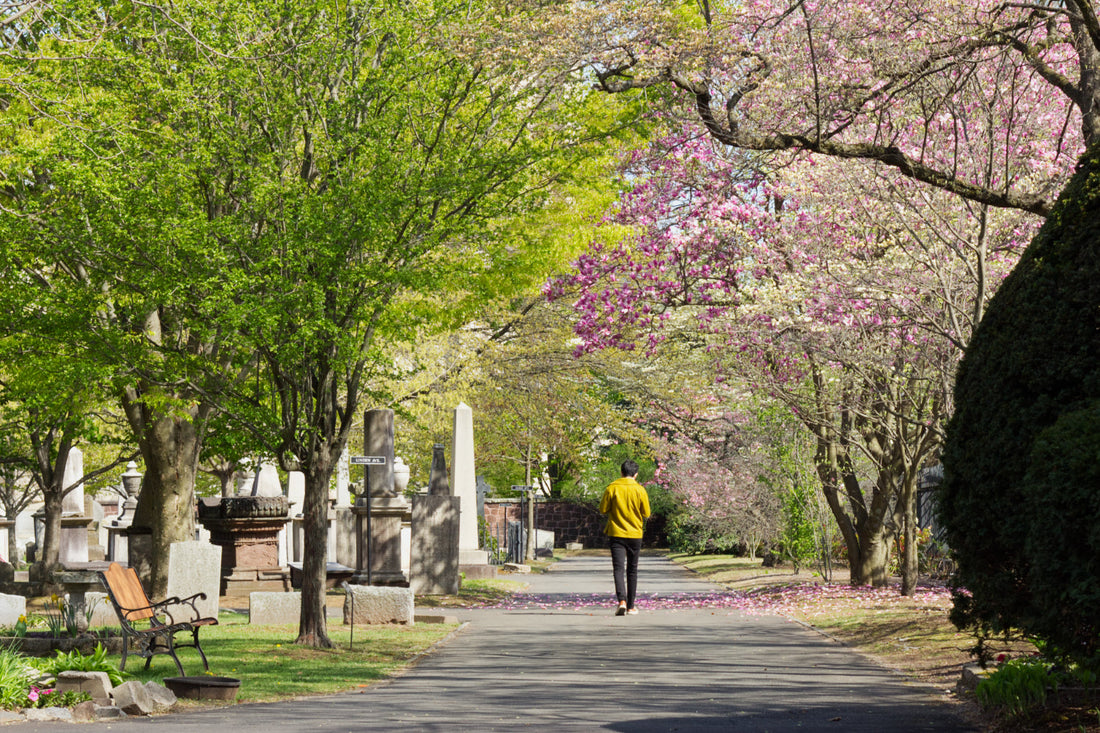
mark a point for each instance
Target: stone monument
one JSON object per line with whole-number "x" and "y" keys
{"x": 74, "y": 523}
{"x": 246, "y": 528}
{"x": 343, "y": 479}
{"x": 435, "y": 529}
{"x": 474, "y": 561}
{"x": 194, "y": 567}
{"x": 379, "y": 510}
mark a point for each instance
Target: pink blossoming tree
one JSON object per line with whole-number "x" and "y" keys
{"x": 842, "y": 294}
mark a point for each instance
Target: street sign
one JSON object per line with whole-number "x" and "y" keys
{"x": 368, "y": 460}
{"x": 517, "y": 487}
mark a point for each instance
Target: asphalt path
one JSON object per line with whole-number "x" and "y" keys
{"x": 563, "y": 661}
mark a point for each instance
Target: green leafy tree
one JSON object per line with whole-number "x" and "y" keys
{"x": 265, "y": 200}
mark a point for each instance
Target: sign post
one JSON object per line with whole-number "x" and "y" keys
{"x": 368, "y": 461}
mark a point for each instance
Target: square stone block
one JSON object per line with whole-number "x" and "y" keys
{"x": 266, "y": 607}
{"x": 378, "y": 605}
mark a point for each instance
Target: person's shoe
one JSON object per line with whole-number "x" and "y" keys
{"x": 632, "y": 612}
{"x": 621, "y": 611}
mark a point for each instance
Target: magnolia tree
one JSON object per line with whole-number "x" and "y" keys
{"x": 854, "y": 320}
{"x": 811, "y": 288}
{"x": 713, "y": 465}
{"x": 899, "y": 84}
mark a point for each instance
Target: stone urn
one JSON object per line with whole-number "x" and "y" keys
{"x": 247, "y": 529}
{"x": 400, "y": 476}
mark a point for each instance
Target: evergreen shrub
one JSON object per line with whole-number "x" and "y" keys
{"x": 1019, "y": 502}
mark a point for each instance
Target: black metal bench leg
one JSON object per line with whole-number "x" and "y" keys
{"x": 202, "y": 654}
{"x": 172, "y": 652}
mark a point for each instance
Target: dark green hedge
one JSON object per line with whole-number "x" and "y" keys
{"x": 1019, "y": 500}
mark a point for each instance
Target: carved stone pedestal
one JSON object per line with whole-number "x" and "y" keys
{"x": 247, "y": 529}
{"x": 378, "y": 542}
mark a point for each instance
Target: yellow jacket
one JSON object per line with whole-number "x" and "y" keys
{"x": 626, "y": 505}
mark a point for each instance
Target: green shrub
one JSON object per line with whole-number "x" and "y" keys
{"x": 1017, "y": 686}
{"x": 16, "y": 675}
{"x": 1026, "y": 397}
{"x": 687, "y": 534}
{"x": 97, "y": 661}
{"x": 797, "y": 540}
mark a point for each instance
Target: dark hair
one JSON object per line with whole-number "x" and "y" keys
{"x": 629, "y": 468}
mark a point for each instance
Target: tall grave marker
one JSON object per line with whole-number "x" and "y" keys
{"x": 473, "y": 560}
{"x": 435, "y": 527}
{"x": 379, "y": 510}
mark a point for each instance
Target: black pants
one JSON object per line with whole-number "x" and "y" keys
{"x": 624, "y": 563}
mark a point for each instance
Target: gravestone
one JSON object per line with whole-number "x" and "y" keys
{"x": 73, "y": 501}
{"x": 97, "y": 550}
{"x": 483, "y": 490}
{"x": 379, "y": 511}
{"x": 11, "y": 608}
{"x": 343, "y": 479}
{"x": 274, "y": 608}
{"x": 473, "y": 561}
{"x": 246, "y": 477}
{"x": 195, "y": 567}
{"x": 74, "y": 524}
{"x": 371, "y": 605}
{"x": 438, "y": 485}
{"x": 296, "y": 492}
{"x": 100, "y": 611}
{"x": 267, "y": 481}
{"x": 433, "y": 566}
{"x": 296, "y": 497}
{"x": 544, "y": 543}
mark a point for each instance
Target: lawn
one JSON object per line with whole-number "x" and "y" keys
{"x": 271, "y": 667}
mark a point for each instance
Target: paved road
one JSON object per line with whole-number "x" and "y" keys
{"x": 562, "y": 663}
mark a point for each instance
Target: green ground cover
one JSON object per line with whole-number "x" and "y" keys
{"x": 271, "y": 667}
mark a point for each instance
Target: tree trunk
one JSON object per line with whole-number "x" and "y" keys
{"x": 50, "y": 475}
{"x": 170, "y": 447}
{"x": 908, "y": 503}
{"x": 312, "y": 628}
{"x": 869, "y": 565}
{"x": 47, "y": 557}
{"x": 866, "y": 536}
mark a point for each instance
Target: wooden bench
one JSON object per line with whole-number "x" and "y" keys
{"x": 151, "y": 626}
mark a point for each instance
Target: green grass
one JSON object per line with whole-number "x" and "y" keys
{"x": 271, "y": 667}
{"x": 728, "y": 569}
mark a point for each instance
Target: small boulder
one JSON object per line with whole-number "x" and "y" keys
{"x": 161, "y": 696}
{"x": 972, "y": 674}
{"x": 84, "y": 712}
{"x": 96, "y": 684}
{"x": 107, "y": 712}
{"x": 47, "y": 714}
{"x": 133, "y": 699}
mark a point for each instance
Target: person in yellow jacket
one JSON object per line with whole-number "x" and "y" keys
{"x": 626, "y": 505}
